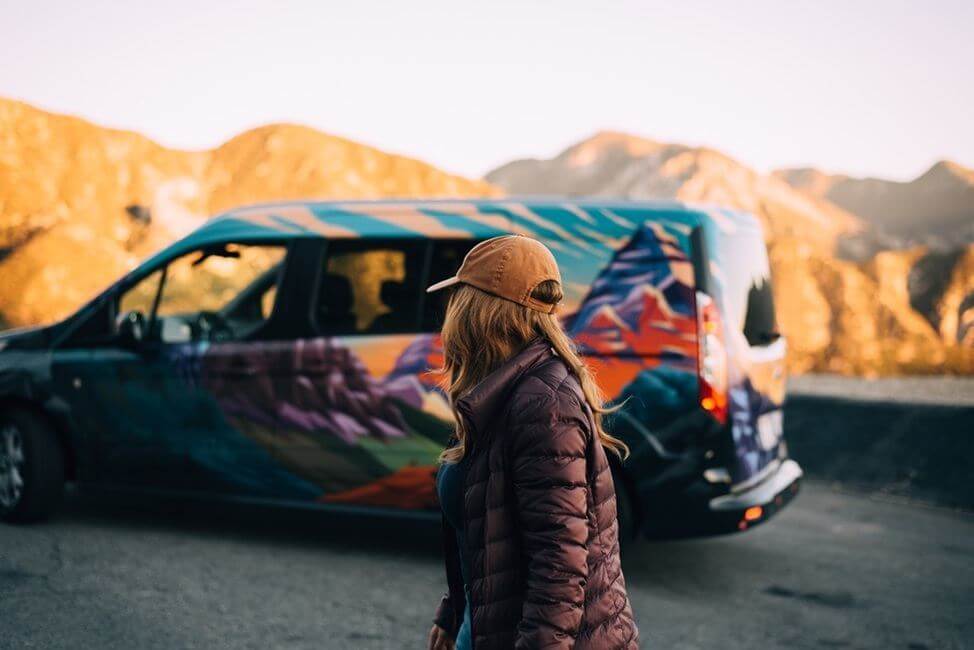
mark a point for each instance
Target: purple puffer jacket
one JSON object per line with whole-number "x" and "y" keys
{"x": 540, "y": 516}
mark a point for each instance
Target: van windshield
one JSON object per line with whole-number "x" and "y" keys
{"x": 747, "y": 273}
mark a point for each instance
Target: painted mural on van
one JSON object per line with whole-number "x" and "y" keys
{"x": 288, "y": 353}
{"x": 361, "y": 420}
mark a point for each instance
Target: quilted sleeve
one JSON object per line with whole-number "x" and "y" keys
{"x": 548, "y": 441}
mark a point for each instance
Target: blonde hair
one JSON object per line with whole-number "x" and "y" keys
{"x": 482, "y": 331}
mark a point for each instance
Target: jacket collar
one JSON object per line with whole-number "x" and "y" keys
{"x": 482, "y": 401}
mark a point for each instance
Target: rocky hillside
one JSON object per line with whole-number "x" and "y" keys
{"x": 920, "y": 232}
{"x": 839, "y": 315}
{"x": 621, "y": 165}
{"x": 935, "y": 209}
{"x": 81, "y": 204}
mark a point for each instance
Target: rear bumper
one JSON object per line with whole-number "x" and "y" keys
{"x": 760, "y": 502}
{"x": 702, "y": 509}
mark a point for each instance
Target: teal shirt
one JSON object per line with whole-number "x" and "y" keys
{"x": 451, "y": 481}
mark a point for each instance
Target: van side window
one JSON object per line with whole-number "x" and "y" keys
{"x": 370, "y": 287}
{"x": 446, "y": 257}
{"x": 221, "y": 293}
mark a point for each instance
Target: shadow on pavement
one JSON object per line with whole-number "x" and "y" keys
{"x": 682, "y": 565}
{"x": 251, "y": 523}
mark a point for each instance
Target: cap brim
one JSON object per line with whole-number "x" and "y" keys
{"x": 449, "y": 282}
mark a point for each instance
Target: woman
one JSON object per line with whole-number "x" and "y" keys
{"x": 530, "y": 530}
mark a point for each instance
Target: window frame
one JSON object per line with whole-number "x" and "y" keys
{"x": 472, "y": 241}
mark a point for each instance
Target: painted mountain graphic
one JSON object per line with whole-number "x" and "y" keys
{"x": 415, "y": 384}
{"x": 317, "y": 413}
{"x": 643, "y": 324}
{"x": 419, "y": 360}
{"x": 330, "y": 393}
{"x": 640, "y": 310}
{"x": 641, "y": 303}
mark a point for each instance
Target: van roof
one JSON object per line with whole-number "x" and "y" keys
{"x": 447, "y": 218}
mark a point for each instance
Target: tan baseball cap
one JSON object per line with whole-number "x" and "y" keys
{"x": 510, "y": 267}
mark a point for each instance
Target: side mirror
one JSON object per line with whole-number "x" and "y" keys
{"x": 131, "y": 327}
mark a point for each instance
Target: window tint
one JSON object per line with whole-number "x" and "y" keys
{"x": 444, "y": 262}
{"x": 219, "y": 293}
{"x": 371, "y": 287}
{"x": 744, "y": 262}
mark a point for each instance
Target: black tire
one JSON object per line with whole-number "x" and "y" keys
{"x": 41, "y": 467}
{"x": 624, "y": 511}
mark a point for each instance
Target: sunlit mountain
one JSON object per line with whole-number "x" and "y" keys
{"x": 81, "y": 204}
{"x": 936, "y": 208}
{"x": 889, "y": 312}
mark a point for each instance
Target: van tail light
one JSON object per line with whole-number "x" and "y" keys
{"x": 711, "y": 358}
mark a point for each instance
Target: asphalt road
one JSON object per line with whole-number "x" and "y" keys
{"x": 832, "y": 571}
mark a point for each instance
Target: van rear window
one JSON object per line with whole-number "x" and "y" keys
{"x": 744, "y": 264}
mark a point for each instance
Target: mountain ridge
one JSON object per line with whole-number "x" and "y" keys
{"x": 67, "y": 184}
{"x": 844, "y": 316}
{"x": 80, "y": 204}
{"x": 610, "y": 163}
{"x": 935, "y": 209}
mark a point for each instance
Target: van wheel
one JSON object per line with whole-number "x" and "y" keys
{"x": 624, "y": 512}
{"x": 31, "y": 468}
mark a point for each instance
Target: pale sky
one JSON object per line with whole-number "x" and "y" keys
{"x": 875, "y": 87}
